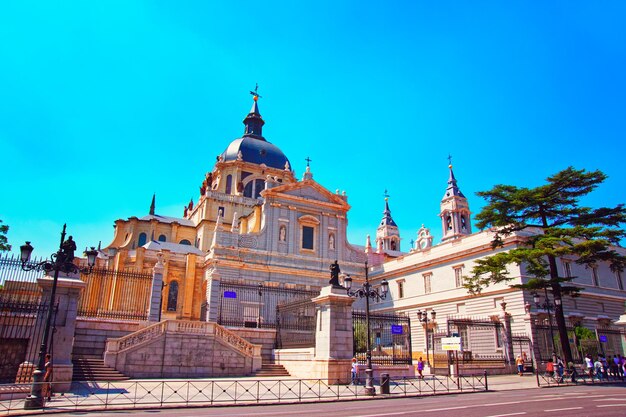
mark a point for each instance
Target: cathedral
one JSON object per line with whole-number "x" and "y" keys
{"x": 255, "y": 224}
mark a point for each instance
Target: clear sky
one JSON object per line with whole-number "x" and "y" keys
{"x": 103, "y": 103}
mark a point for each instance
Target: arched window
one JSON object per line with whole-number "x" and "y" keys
{"x": 172, "y": 296}
{"x": 259, "y": 185}
{"x": 253, "y": 188}
{"x": 162, "y": 238}
{"x": 247, "y": 189}
{"x": 142, "y": 239}
{"x": 229, "y": 184}
{"x": 185, "y": 242}
{"x": 393, "y": 245}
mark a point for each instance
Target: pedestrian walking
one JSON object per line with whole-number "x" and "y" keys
{"x": 355, "y": 371}
{"x": 599, "y": 370}
{"x": 520, "y": 365}
{"x": 420, "y": 368}
{"x": 559, "y": 368}
{"x": 589, "y": 364}
{"x": 46, "y": 389}
{"x": 605, "y": 367}
{"x": 550, "y": 368}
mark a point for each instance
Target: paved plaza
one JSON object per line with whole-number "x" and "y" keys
{"x": 177, "y": 393}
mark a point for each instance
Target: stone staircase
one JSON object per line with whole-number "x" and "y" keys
{"x": 271, "y": 370}
{"x": 90, "y": 368}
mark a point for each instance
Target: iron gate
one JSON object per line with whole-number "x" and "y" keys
{"x": 246, "y": 305}
{"x": 295, "y": 324}
{"x": 390, "y": 338}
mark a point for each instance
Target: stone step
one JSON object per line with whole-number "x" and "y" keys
{"x": 271, "y": 369}
{"x": 93, "y": 369}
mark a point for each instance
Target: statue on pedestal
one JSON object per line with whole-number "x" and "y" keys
{"x": 334, "y": 275}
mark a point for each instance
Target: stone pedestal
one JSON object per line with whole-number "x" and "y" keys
{"x": 334, "y": 336}
{"x": 68, "y": 290}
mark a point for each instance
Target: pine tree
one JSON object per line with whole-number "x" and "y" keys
{"x": 4, "y": 245}
{"x": 553, "y": 225}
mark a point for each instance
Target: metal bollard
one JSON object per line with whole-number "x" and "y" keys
{"x": 384, "y": 383}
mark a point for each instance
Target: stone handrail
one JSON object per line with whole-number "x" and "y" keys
{"x": 136, "y": 338}
{"x": 237, "y": 342}
{"x": 183, "y": 326}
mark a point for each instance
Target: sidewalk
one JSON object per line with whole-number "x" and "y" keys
{"x": 176, "y": 393}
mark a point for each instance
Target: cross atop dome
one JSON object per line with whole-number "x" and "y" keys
{"x": 253, "y": 121}
{"x": 255, "y": 93}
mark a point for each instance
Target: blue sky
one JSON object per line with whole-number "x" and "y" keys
{"x": 104, "y": 103}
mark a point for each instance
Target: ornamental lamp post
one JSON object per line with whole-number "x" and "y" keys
{"x": 423, "y": 317}
{"x": 367, "y": 292}
{"x": 547, "y": 306}
{"x": 61, "y": 261}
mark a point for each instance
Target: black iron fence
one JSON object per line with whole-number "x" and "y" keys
{"x": 246, "y": 305}
{"x": 119, "y": 395}
{"x": 21, "y": 329}
{"x": 576, "y": 375}
{"x": 17, "y": 285}
{"x": 295, "y": 324}
{"x": 390, "y": 338}
{"x": 115, "y": 294}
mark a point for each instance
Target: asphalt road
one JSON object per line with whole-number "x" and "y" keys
{"x": 596, "y": 401}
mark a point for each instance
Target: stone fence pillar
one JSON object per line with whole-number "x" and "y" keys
{"x": 68, "y": 290}
{"x": 334, "y": 336}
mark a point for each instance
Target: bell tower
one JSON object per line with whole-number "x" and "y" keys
{"x": 454, "y": 213}
{"x": 387, "y": 234}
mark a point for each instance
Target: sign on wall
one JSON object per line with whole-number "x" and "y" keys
{"x": 451, "y": 343}
{"x": 396, "y": 329}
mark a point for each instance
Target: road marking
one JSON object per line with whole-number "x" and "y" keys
{"x": 273, "y": 413}
{"x": 388, "y": 414}
{"x": 563, "y": 409}
{"x": 447, "y": 409}
{"x": 507, "y": 403}
{"x": 611, "y": 399}
{"x": 505, "y": 415}
{"x": 610, "y": 405}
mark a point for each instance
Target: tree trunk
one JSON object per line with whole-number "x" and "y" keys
{"x": 558, "y": 311}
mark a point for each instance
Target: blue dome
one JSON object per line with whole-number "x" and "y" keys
{"x": 256, "y": 151}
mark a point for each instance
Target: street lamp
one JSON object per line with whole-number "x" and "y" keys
{"x": 423, "y": 317}
{"x": 547, "y": 306}
{"x": 258, "y": 319}
{"x": 61, "y": 261}
{"x": 367, "y": 292}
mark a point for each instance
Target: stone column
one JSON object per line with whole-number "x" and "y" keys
{"x": 213, "y": 295}
{"x": 334, "y": 337}
{"x": 508, "y": 337}
{"x": 68, "y": 290}
{"x": 156, "y": 293}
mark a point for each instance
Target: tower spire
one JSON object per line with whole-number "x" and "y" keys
{"x": 253, "y": 121}
{"x": 453, "y": 188}
{"x": 152, "y": 204}
{"x": 455, "y": 213}
{"x": 387, "y": 234}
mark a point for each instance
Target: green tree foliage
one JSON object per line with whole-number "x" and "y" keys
{"x": 549, "y": 222}
{"x": 4, "y": 245}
